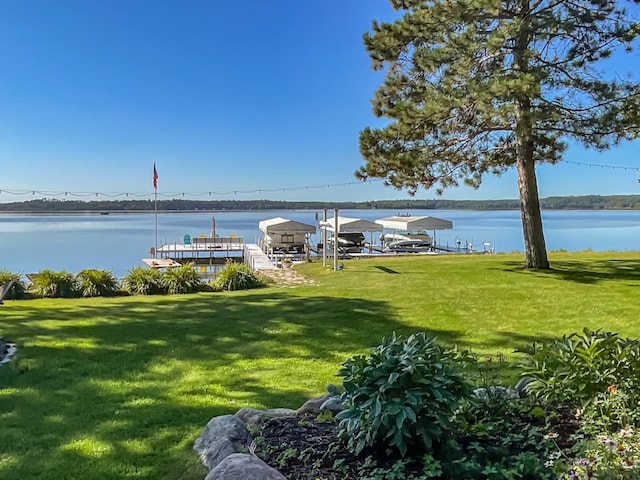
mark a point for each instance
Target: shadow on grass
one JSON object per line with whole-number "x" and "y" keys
{"x": 121, "y": 387}
{"x": 586, "y": 272}
{"x": 386, "y": 269}
{"x": 518, "y": 341}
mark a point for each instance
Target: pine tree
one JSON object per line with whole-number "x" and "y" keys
{"x": 479, "y": 86}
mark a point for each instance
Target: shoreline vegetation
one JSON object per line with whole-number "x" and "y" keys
{"x": 587, "y": 202}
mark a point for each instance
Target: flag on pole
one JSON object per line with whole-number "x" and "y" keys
{"x": 155, "y": 176}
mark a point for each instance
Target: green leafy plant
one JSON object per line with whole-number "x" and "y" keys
{"x": 182, "y": 279}
{"x": 574, "y": 369}
{"x": 402, "y": 395}
{"x": 57, "y": 284}
{"x": 143, "y": 281}
{"x": 18, "y": 288}
{"x": 97, "y": 283}
{"x": 609, "y": 412}
{"x": 236, "y": 276}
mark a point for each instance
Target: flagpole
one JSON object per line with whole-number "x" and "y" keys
{"x": 156, "y": 210}
{"x": 155, "y": 196}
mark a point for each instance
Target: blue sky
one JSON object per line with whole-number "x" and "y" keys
{"x": 224, "y": 96}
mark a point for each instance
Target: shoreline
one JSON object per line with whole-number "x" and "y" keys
{"x": 133, "y": 212}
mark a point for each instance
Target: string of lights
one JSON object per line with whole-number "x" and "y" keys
{"x": 612, "y": 167}
{"x": 61, "y": 193}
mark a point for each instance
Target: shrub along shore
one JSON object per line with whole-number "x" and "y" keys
{"x": 121, "y": 386}
{"x": 137, "y": 281}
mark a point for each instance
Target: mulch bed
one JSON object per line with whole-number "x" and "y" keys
{"x": 304, "y": 448}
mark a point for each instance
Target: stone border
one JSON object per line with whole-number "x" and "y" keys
{"x": 225, "y": 441}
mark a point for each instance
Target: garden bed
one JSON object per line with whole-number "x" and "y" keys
{"x": 308, "y": 448}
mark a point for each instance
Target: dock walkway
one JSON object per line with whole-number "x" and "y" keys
{"x": 256, "y": 258}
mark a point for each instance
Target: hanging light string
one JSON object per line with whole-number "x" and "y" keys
{"x": 61, "y": 193}
{"x": 612, "y": 167}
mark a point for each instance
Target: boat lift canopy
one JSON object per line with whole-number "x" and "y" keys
{"x": 415, "y": 223}
{"x": 284, "y": 226}
{"x": 350, "y": 225}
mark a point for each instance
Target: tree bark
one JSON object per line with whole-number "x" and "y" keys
{"x": 534, "y": 244}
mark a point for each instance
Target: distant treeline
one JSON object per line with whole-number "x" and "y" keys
{"x": 588, "y": 202}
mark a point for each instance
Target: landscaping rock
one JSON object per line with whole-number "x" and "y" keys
{"x": 521, "y": 386}
{"x": 253, "y": 416}
{"x": 241, "y": 466}
{"x": 7, "y": 350}
{"x": 314, "y": 406}
{"x": 223, "y": 436}
{"x": 496, "y": 391}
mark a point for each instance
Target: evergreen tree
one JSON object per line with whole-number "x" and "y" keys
{"x": 478, "y": 86}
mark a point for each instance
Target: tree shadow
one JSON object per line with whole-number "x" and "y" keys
{"x": 518, "y": 341}
{"x": 386, "y": 269}
{"x": 586, "y": 272}
{"x": 121, "y": 387}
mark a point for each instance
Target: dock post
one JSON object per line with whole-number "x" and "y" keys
{"x": 336, "y": 229}
{"x": 324, "y": 239}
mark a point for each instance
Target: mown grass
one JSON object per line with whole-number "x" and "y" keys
{"x": 121, "y": 387}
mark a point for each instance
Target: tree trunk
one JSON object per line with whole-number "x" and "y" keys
{"x": 534, "y": 244}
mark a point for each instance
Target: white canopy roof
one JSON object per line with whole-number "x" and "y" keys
{"x": 346, "y": 224}
{"x": 415, "y": 223}
{"x": 286, "y": 226}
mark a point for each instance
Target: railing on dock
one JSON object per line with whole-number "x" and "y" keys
{"x": 202, "y": 247}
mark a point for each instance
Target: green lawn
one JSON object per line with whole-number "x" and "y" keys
{"x": 121, "y": 387}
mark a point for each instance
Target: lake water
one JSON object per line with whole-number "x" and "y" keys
{"x": 117, "y": 242}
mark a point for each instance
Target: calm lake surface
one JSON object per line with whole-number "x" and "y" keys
{"x": 117, "y": 242}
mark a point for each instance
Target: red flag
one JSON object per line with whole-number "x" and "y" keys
{"x": 155, "y": 176}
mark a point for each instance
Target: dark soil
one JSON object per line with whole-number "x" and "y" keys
{"x": 304, "y": 448}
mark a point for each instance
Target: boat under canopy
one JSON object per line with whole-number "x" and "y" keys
{"x": 346, "y": 224}
{"x": 411, "y": 224}
{"x": 286, "y": 235}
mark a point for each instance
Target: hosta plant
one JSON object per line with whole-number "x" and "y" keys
{"x": 49, "y": 283}
{"x": 17, "y": 290}
{"x": 182, "y": 279}
{"x": 143, "y": 281}
{"x": 402, "y": 395}
{"x": 97, "y": 283}
{"x": 236, "y": 276}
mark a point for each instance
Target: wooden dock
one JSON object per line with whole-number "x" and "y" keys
{"x": 216, "y": 251}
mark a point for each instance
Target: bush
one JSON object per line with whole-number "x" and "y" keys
{"x": 17, "y": 290}
{"x": 143, "y": 281}
{"x": 236, "y": 276}
{"x": 402, "y": 395}
{"x": 574, "y": 369}
{"x": 55, "y": 284}
{"x": 182, "y": 279}
{"x": 97, "y": 283}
